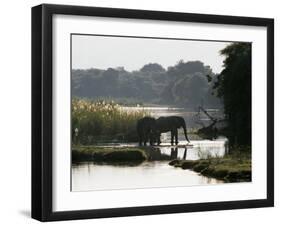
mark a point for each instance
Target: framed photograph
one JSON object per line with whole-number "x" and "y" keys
{"x": 145, "y": 112}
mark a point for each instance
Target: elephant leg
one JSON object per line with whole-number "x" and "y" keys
{"x": 151, "y": 139}
{"x": 172, "y": 137}
{"x": 158, "y": 140}
{"x": 145, "y": 140}
{"x": 176, "y": 137}
{"x": 140, "y": 139}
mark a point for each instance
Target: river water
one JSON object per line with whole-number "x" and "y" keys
{"x": 87, "y": 176}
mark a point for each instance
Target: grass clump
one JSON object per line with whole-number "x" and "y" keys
{"x": 234, "y": 167}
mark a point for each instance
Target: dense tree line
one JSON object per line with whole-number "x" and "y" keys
{"x": 184, "y": 84}
{"x": 233, "y": 85}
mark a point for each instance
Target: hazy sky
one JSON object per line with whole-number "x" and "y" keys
{"x": 132, "y": 53}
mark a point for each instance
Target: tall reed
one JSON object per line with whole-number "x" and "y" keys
{"x": 103, "y": 121}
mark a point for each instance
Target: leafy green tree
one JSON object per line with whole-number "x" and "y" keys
{"x": 233, "y": 85}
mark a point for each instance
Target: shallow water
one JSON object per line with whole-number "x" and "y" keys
{"x": 91, "y": 176}
{"x": 88, "y": 176}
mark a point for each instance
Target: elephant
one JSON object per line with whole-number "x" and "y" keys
{"x": 145, "y": 128}
{"x": 170, "y": 124}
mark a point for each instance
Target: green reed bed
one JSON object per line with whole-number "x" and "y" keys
{"x": 103, "y": 121}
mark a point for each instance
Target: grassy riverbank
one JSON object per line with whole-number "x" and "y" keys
{"x": 118, "y": 155}
{"x": 108, "y": 154}
{"x": 235, "y": 167}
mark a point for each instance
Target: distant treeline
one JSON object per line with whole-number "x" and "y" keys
{"x": 187, "y": 84}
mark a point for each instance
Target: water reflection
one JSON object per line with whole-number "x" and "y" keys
{"x": 150, "y": 174}
{"x": 198, "y": 150}
{"x": 155, "y": 172}
{"x": 174, "y": 153}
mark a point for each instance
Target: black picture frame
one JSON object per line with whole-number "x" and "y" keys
{"x": 42, "y": 106}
